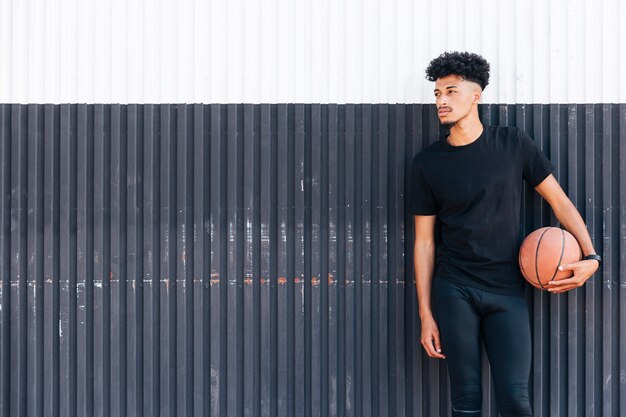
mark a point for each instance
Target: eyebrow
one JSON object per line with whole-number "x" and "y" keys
{"x": 450, "y": 86}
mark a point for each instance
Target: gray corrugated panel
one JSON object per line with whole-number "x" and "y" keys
{"x": 620, "y": 257}
{"x": 610, "y": 248}
{"x": 557, "y": 307}
{"x": 102, "y": 258}
{"x": 118, "y": 273}
{"x": 574, "y": 186}
{"x": 84, "y": 262}
{"x": 247, "y": 260}
{"x": 52, "y": 260}
{"x": 593, "y": 386}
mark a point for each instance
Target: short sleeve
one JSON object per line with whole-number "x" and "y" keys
{"x": 422, "y": 199}
{"x": 535, "y": 164}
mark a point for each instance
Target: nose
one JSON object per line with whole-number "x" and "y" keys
{"x": 441, "y": 101}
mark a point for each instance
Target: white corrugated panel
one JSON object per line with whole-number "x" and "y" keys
{"x": 322, "y": 51}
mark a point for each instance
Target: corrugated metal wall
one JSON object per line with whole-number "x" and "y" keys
{"x": 255, "y": 260}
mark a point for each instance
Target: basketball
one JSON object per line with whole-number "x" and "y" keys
{"x": 543, "y": 251}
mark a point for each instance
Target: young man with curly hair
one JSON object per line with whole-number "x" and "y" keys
{"x": 471, "y": 182}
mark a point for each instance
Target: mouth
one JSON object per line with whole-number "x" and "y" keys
{"x": 444, "y": 111}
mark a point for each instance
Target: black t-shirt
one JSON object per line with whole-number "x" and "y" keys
{"x": 475, "y": 190}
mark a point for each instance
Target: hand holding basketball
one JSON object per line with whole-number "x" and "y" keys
{"x": 582, "y": 271}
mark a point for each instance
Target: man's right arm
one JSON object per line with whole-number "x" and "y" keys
{"x": 424, "y": 261}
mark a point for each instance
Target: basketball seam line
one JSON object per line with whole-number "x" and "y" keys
{"x": 537, "y": 256}
{"x": 561, "y": 257}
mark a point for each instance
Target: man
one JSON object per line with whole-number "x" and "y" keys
{"x": 471, "y": 181}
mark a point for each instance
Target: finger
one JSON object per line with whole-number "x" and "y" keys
{"x": 430, "y": 349}
{"x": 437, "y": 345}
{"x": 436, "y": 348}
{"x": 567, "y": 267}
{"x": 564, "y": 288}
{"x": 561, "y": 282}
{"x": 567, "y": 287}
{"x": 426, "y": 347}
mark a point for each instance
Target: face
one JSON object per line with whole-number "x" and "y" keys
{"x": 454, "y": 98}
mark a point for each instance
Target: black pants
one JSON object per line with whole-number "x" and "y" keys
{"x": 464, "y": 316}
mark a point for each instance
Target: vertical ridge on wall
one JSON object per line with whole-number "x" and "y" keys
{"x": 245, "y": 260}
{"x": 610, "y": 218}
{"x": 592, "y": 322}
{"x": 620, "y": 258}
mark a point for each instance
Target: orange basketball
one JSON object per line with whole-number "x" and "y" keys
{"x": 543, "y": 251}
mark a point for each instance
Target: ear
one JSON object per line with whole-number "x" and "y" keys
{"x": 476, "y": 95}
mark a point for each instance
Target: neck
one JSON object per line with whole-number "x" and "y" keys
{"x": 466, "y": 130}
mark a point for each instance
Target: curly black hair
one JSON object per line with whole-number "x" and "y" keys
{"x": 470, "y": 66}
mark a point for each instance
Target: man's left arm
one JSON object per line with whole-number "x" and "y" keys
{"x": 570, "y": 218}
